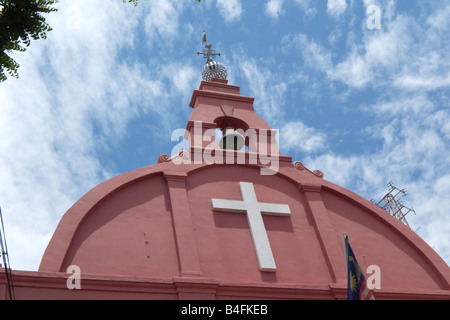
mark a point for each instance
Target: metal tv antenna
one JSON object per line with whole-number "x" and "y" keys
{"x": 392, "y": 203}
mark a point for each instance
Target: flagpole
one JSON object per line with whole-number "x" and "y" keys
{"x": 345, "y": 238}
{"x": 5, "y": 256}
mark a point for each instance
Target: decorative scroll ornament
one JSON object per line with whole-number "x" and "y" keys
{"x": 185, "y": 155}
{"x": 318, "y": 173}
{"x": 164, "y": 158}
{"x": 300, "y": 166}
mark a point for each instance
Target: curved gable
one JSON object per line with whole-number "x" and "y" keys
{"x": 130, "y": 225}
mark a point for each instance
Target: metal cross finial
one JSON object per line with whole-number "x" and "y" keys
{"x": 208, "y": 53}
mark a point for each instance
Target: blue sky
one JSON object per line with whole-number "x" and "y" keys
{"x": 104, "y": 92}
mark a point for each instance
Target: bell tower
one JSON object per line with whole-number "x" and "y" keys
{"x": 219, "y": 105}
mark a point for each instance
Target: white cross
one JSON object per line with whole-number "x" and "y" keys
{"x": 254, "y": 210}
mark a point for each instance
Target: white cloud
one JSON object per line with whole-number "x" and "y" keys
{"x": 47, "y": 127}
{"x": 441, "y": 19}
{"x": 274, "y": 8}
{"x": 354, "y": 71}
{"x": 336, "y": 7}
{"x": 314, "y": 55}
{"x": 429, "y": 83}
{"x": 74, "y": 100}
{"x": 382, "y": 54}
{"x": 269, "y": 90}
{"x": 375, "y": 61}
{"x": 308, "y": 7}
{"x": 230, "y": 9}
{"x": 429, "y": 71}
{"x": 297, "y": 136}
{"x": 183, "y": 78}
{"x": 162, "y": 18}
{"x": 337, "y": 168}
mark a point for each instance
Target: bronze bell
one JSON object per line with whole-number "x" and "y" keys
{"x": 231, "y": 140}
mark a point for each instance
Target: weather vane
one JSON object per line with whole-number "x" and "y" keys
{"x": 208, "y": 53}
{"x": 212, "y": 69}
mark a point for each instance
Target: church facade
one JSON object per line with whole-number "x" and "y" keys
{"x": 219, "y": 223}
